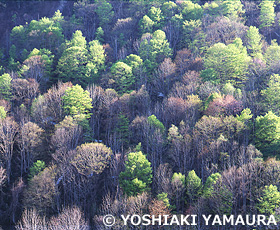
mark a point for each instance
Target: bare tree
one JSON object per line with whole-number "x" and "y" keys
{"x": 69, "y": 219}
{"x": 30, "y": 138}
{"x": 3, "y": 176}
{"x": 31, "y": 220}
{"x": 8, "y": 132}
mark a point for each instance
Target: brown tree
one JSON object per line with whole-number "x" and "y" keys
{"x": 25, "y": 90}
{"x": 91, "y": 158}
{"x": 41, "y": 192}
{"x": 30, "y": 139}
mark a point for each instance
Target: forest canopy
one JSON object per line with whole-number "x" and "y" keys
{"x": 138, "y": 107}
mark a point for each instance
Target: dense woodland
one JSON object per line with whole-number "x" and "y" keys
{"x": 138, "y": 107}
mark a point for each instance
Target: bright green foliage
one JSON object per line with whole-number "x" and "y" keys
{"x": 272, "y": 94}
{"x": 154, "y": 51}
{"x": 96, "y": 57}
{"x": 156, "y": 16}
{"x": 193, "y": 186}
{"x": 37, "y": 167}
{"x": 155, "y": 123}
{"x": 164, "y": 198}
{"x": 189, "y": 31}
{"x": 245, "y": 115}
{"x": 77, "y": 63}
{"x": 268, "y": 133}
{"x": 191, "y": 11}
{"x": 210, "y": 75}
{"x": 229, "y": 62}
{"x": 137, "y": 175}
{"x": 123, "y": 77}
{"x": 168, "y": 9}
{"x": 254, "y": 41}
{"x": 179, "y": 177}
{"x": 44, "y": 33}
{"x": 104, "y": 11}
{"x": 272, "y": 55}
{"x": 269, "y": 200}
{"x": 5, "y": 86}
{"x": 134, "y": 61}
{"x": 72, "y": 66}
{"x": 3, "y": 112}
{"x": 228, "y": 89}
{"x": 99, "y": 34}
{"x": 208, "y": 186}
{"x": 146, "y": 24}
{"x": 77, "y": 101}
{"x": 232, "y": 8}
{"x": 77, "y": 40}
{"x": 212, "y": 9}
{"x": 267, "y": 14}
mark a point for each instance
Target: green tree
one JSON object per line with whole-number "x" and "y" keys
{"x": 122, "y": 77}
{"x": 267, "y": 14}
{"x": 229, "y": 62}
{"x": 80, "y": 63}
{"x": 44, "y": 33}
{"x": 267, "y": 136}
{"x": 96, "y": 58}
{"x": 193, "y": 186}
{"x": 137, "y": 176}
{"x": 254, "y": 44}
{"x": 272, "y": 55}
{"x": 37, "y": 167}
{"x": 104, "y": 11}
{"x": 73, "y": 64}
{"x": 272, "y": 94}
{"x": 146, "y": 24}
{"x": 99, "y": 34}
{"x": 169, "y": 9}
{"x": 156, "y": 124}
{"x": 5, "y": 86}
{"x": 3, "y": 112}
{"x": 155, "y": 15}
{"x": 164, "y": 198}
{"x": 153, "y": 49}
{"x": 77, "y": 101}
{"x": 232, "y": 8}
{"x": 191, "y": 11}
{"x": 269, "y": 200}
{"x": 210, "y": 182}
